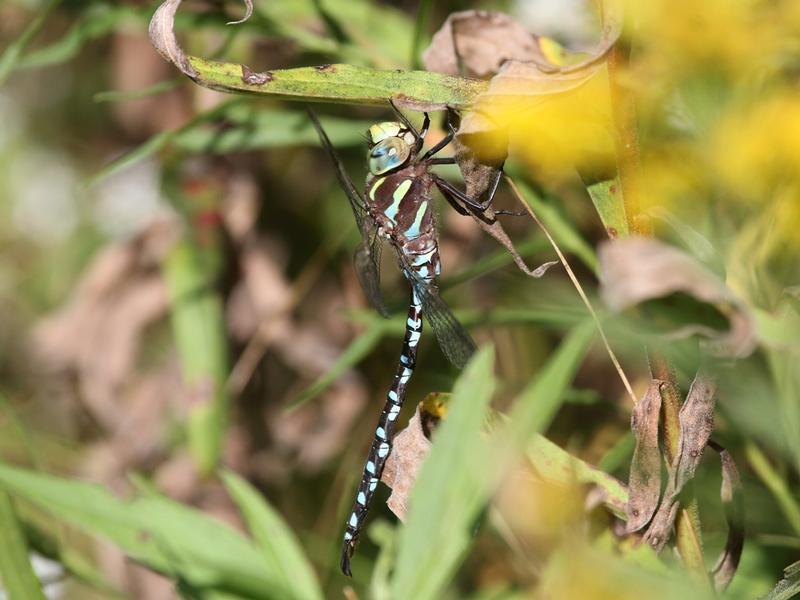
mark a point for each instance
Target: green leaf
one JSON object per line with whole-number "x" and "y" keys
{"x": 555, "y": 464}
{"x": 538, "y": 403}
{"x": 97, "y": 21}
{"x": 16, "y": 573}
{"x": 251, "y": 127}
{"x": 607, "y": 199}
{"x": 11, "y": 56}
{"x": 279, "y": 546}
{"x": 450, "y": 491}
{"x": 342, "y": 83}
{"x": 157, "y": 143}
{"x": 198, "y": 325}
{"x": 164, "y": 535}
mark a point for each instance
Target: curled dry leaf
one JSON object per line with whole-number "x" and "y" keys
{"x": 644, "y": 485}
{"x": 732, "y": 502}
{"x": 696, "y": 424}
{"x": 634, "y": 270}
{"x": 162, "y": 34}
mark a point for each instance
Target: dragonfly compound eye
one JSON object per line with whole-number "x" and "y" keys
{"x": 388, "y": 154}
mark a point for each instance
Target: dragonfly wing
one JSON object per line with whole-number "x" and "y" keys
{"x": 355, "y": 197}
{"x": 456, "y": 344}
{"x": 367, "y": 262}
{"x": 367, "y": 254}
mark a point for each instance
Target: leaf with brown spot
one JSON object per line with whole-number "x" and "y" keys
{"x": 644, "y": 485}
{"x": 635, "y": 270}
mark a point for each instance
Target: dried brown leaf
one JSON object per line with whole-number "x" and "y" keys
{"x": 636, "y": 269}
{"x": 644, "y": 485}
{"x": 408, "y": 453}
{"x": 697, "y": 423}
{"x": 162, "y": 35}
{"x": 475, "y": 43}
{"x": 733, "y": 505}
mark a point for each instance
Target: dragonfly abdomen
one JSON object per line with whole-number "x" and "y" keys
{"x": 384, "y": 432}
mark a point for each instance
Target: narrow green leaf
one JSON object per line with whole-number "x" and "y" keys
{"x": 157, "y": 143}
{"x": 360, "y": 347}
{"x": 278, "y": 545}
{"x": 420, "y": 30}
{"x": 11, "y": 56}
{"x": 96, "y": 21}
{"x": 152, "y": 90}
{"x": 775, "y": 484}
{"x": 16, "y": 573}
{"x": 250, "y": 127}
{"x": 198, "y": 325}
{"x": 162, "y": 534}
{"x": 450, "y": 491}
{"x": 341, "y": 83}
{"x": 538, "y": 403}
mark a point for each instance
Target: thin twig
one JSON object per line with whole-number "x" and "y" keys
{"x": 579, "y": 288}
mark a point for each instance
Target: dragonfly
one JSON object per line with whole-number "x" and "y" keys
{"x": 396, "y": 207}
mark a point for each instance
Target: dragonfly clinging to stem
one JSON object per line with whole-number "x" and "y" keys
{"x": 397, "y": 207}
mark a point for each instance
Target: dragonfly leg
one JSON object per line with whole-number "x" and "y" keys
{"x": 419, "y": 136}
{"x": 447, "y": 187}
{"x": 451, "y": 133}
{"x": 452, "y": 193}
{"x": 452, "y": 201}
{"x": 384, "y": 433}
{"x": 450, "y": 160}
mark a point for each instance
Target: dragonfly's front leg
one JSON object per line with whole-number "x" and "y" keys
{"x": 452, "y": 193}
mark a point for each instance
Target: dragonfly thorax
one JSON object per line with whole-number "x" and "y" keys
{"x": 390, "y": 145}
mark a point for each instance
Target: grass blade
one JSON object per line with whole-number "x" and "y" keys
{"x": 16, "y": 572}
{"x": 450, "y": 490}
{"x": 198, "y": 325}
{"x": 164, "y": 535}
{"x": 11, "y": 55}
{"x": 274, "y": 538}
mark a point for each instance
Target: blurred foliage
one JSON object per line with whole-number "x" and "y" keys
{"x": 178, "y": 305}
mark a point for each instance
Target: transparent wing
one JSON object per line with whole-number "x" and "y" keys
{"x": 456, "y": 344}
{"x": 367, "y": 259}
{"x": 367, "y": 254}
{"x": 357, "y": 202}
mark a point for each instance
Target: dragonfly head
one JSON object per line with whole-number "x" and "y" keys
{"x": 390, "y": 146}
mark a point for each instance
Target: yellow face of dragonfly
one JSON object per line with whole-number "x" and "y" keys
{"x": 390, "y": 146}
